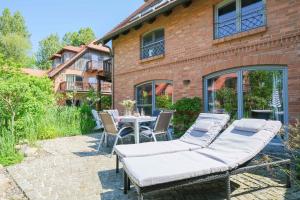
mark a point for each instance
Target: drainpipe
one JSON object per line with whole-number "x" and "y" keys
{"x": 111, "y": 54}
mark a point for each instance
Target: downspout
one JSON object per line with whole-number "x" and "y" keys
{"x": 111, "y": 54}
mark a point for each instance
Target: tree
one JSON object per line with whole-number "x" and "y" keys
{"x": 13, "y": 24}
{"x": 15, "y": 47}
{"x": 14, "y": 37}
{"x": 47, "y": 47}
{"x": 83, "y": 36}
{"x": 21, "y": 95}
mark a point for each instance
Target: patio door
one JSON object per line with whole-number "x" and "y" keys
{"x": 249, "y": 92}
{"x": 153, "y": 96}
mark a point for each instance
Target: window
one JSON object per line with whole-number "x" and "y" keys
{"x": 153, "y": 44}
{"x": 234, "y": 16}
{"x": 154, "y": 95}
{"x": 74, "y": 82}
{"x": 56, "y": 62}
{"x": 250, "y": 92}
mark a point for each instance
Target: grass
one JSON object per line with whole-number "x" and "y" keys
{"x": 57, "y": 121}
{"x": 8, "y": 154}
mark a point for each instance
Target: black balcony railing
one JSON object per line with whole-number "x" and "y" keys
{"x": 153, "y": 49}
{"x": 107, "y": 69}
{"x": 243, "y": 22}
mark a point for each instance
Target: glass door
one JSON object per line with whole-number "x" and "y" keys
{"x": 222, "y": 94}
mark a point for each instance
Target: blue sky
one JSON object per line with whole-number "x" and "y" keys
{"x": 44, "y": 17}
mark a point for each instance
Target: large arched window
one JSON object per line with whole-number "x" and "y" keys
{"x": 256, "y": 92}
{"x": 153, "y": 44}
{"x": 154, "y": 95}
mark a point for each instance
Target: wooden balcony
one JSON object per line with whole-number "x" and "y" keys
{"x": 104, "y": 68}
{"x": 80, "y": 86}
{"x": 93, "y": 65}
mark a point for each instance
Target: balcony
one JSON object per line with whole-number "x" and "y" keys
{"x": 93, "y": 65}
{"x": 80, "y": 86}
{"x": 107, "y": 69}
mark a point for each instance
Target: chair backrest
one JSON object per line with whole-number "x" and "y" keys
{"x": 108, "y": 123}
{"x": 95, "y": 115}
{"x": 114, "y": 113}
{"x": 163, "y": 121}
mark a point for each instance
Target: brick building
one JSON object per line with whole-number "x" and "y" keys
{"x": 239, "y": 56}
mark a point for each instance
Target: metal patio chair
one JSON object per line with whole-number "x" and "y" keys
{"x": 110, "y": 128}
{"x": 161, "y": 126}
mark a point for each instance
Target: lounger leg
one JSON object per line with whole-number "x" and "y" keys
{"x": 228, "y": 188}
{"x": 117, "y": 164}
{"x": 288, "y": 175}
{"x": 125, "y": 177}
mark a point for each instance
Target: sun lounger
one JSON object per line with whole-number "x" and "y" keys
{"x": 227, "y": 155}
{"x": 193, "y": 139}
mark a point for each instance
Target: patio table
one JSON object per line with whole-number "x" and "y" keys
{"x": 136, "y": 121}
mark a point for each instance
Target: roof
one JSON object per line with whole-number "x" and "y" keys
{"x": 35, "y": 72}
{"x": 56, "y": 55}
{"x": 147, "y": 12}
{"x": 82, "y": 49}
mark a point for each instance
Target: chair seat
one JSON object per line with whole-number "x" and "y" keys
{"x": 126, "y": 131}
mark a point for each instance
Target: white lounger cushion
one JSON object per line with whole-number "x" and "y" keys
{"x": 192, "y": 140}
{"x": 252, "y": 125}
{"x": 231, "y": 149}
{"x": 153, "y": 148}
{"x": 235, "y": 147}
{"x": 204, "y": 125}
{"x": 204, "y": 138}
{"x": 164, "y": 168}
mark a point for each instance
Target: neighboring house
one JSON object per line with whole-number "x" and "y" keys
{"x": 240, "y": 56}
{"x": 78, "y": 70}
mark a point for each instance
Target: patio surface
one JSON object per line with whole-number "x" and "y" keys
{"x": 71, "y": 169}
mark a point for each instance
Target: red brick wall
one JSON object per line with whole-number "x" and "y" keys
{"x": 191, "y": 52}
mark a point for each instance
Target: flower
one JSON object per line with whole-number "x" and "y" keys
{"x": 128, "y": 104}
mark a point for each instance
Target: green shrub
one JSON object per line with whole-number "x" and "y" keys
{"x": 187, "y": 111}
{"x": 298, "y": 168}
{"x": 106, "y": 102}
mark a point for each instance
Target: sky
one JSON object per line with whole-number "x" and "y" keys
{"x": 44, "y": 17}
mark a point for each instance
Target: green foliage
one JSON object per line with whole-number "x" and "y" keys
{"x": 187, "y": 111}
{"x": 86, "y": 119}
{"x": 83, "y": 36}
{"x": 106, "y": 102}
{"x": 21, "y": 95}
{"x": 14, "y": 38}
{"x": 8, "y": 153}
{"x": 15, "y": 47}
{"x": 163, "y": 102}
{"x": 13, "y": 24}
{"x": 298, "y": 168}
{"x": 47, "y": 47}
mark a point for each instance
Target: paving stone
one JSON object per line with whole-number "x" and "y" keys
{"x": 70, "y": 168}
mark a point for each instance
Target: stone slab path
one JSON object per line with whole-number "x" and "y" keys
{"x": 71, "y": 169}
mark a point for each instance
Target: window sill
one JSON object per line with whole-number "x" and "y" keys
{"x": 152, "y": 58}
{"x": 240, "y": 35}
